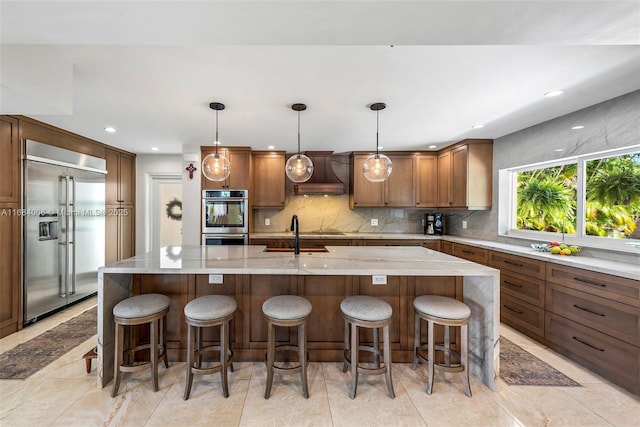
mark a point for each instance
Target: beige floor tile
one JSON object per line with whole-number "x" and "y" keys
{"x": 372, "y": 405}
{"x": 7, "y": 343}
{"x": 286, "y": 406}
{"x": 71, "y": 365}
{"x": 40, "y": 401}
{"x": 206, "y": 405}
{"x": 133, "y": 406}
{"x": 610, "y": 402}
{"x": 548, "y": 406}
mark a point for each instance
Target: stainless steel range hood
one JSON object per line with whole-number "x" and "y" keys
{"x": 324, "y": 179}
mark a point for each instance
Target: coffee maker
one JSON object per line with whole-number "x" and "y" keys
{"x": 433, "y": 224}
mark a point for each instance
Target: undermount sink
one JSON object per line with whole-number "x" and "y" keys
{"x": 302, "y": 250}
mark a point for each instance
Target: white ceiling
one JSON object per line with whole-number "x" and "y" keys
{"x": 151, "y": 68}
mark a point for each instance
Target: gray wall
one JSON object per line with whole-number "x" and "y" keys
{"x": 608, "y": 125}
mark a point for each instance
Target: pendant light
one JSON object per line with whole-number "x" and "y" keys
{"x": 377, "y": 167}
{"x": 299, "y": 167}
{"x": 216, "y": 166}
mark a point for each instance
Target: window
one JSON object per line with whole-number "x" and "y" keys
{"x": 592, "y": 200}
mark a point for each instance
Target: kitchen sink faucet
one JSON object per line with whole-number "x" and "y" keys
{"x": 295, "y": 226}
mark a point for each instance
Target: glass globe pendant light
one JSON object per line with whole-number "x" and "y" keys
{"x": 216, "y": 166}
{"x": 377, "y": 167}
{"x": 299, "y": 167}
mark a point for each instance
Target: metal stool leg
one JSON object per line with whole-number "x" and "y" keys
{"x": 302, "y": 352}
{"x": 354, "y": 360}
{"x": 416, "y": 341}
{"x": 119, "y": 343}
{"x": 224, "y": 345}
{"x": 191, "y": 344}
{"x": 271, "y": 350}
{"x": 464, "y": 336}
{"x": 431, "y": 356}
{"x": 387, "y": 360}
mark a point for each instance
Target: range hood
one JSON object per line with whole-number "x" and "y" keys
{"x": 324, "y": 179}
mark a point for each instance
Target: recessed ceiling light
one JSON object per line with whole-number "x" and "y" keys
{"x": 559, "y": 149}
{"x": 271, "y": 147}
{"x": 553, "y": 93}
{"x": 478, "y": 126}
{"x": 110, "y": 129}
{"x": 154, "y": 148}
{"x": 433, "y": 146}
{"x": 577, "y": 127}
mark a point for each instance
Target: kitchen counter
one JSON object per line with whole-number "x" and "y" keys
{"x": 407, "y": 269}
{"x": 334, "y": 235}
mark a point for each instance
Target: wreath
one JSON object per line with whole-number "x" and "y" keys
{"x": 174, "y": 209}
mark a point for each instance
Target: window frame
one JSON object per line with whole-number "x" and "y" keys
{"x": 507, "y": 204}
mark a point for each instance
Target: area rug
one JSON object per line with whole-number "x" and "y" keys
{"x": 29, "y": 357}
{"x": 519, "y": 367}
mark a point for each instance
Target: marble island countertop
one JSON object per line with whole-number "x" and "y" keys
{"x": 345, "y": 235}
{"x": 338, "y": 260}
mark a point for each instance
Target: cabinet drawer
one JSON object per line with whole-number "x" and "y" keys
{"x": 616, "y": 288}
{"x": 470, "y": 253}
{"x": 523, "y": 287}
{"x": 522, "y": 315}
{"x": 610, "y": 317}
{"x": 517, "y": 264}
{"x": 610, "y": 357}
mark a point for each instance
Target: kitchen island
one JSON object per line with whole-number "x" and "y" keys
{"x": 251, "y": 274}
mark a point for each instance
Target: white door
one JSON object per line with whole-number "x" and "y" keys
{"x": 165, "y": 211}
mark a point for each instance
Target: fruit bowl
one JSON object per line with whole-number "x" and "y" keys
{"x": 556, "y": 248}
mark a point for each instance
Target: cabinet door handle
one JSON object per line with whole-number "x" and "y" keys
{"x": 589, "y": 311}
{"x": 515, "y": 285}
{"x": 512, "y": 309}
{"x": 517, "y": 264}
{"x": 466, "y": 251}
{"x": 589, "y": 282}
{"x": 587, "y": 344}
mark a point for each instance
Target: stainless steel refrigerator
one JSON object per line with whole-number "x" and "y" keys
{"x": 63, "y": 227}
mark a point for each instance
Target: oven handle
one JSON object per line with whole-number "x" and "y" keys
{"x": 225, "y": 199}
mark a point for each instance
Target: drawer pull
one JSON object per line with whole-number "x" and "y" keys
{"x": 589, "y": 311}
{"x": 512, "y": 309}
{"x": 515, "y": 285}
{"x": 589, "y": 282}
{"x": 464, "y": 251}
{"x": 587, "y": 344}
{"x": 517, "y": 264}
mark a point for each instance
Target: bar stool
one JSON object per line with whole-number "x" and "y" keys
{"x": 439, "y": 310}
{"x": 366, "y": 312}
{"x": 205, "y": 312}
{"x": 287, "y": 311}
{"x": 140, "y": 310}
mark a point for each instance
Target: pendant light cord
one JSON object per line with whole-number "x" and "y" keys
{"x": 298, "y": 133}
{"x": 216, "y": 142}
{"x": 377, "y": 125}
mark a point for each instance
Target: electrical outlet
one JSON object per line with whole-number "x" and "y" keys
{"x": 464, "y": 225}
{"x": 267, "y": 221}
{"x": 378, "y": 280}
{"x": 215, "y": 279}
{"x": 374, "y": 222}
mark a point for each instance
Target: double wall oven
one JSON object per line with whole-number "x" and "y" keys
{"x": 225, "y": 217}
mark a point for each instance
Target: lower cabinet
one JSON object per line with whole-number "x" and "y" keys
{"x": 522, "y": 316}
{"x": 470, "y": 253}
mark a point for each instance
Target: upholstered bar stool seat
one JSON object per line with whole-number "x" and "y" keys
{"x": 287, "y": 311}
{"x": 140, "y": 310}
{"x": 448, "y": 312}
{"x": 205, "y": 312}
{"x": 366, "y": 312}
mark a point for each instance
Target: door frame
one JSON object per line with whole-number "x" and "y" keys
{"x": 152, "y": 180}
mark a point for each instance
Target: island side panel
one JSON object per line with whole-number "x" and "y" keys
{"x": 112, "y": 288}
{"x": 482, "y": 295}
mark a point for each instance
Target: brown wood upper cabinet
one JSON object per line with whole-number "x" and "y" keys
{"x": 9, "y": 161}
{"x": 426, "y": 180}
{"x": 121, "y": 178}
{"x": 396, "y": 191}
{"x": 240, "y": 178}
{"x": 464, "y": 175}
{"x": 268, "y": 189}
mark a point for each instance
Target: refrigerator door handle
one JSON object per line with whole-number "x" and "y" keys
{"x": 63, "y": 242}
{"x": 72, "y": 242}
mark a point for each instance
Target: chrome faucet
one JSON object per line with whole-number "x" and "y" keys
{"x": 295, "y": 226}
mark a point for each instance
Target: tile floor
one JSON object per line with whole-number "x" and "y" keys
{"x": 63, "y": 394}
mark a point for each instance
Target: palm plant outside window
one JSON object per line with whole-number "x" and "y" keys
{"x": 587, "y": 197}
